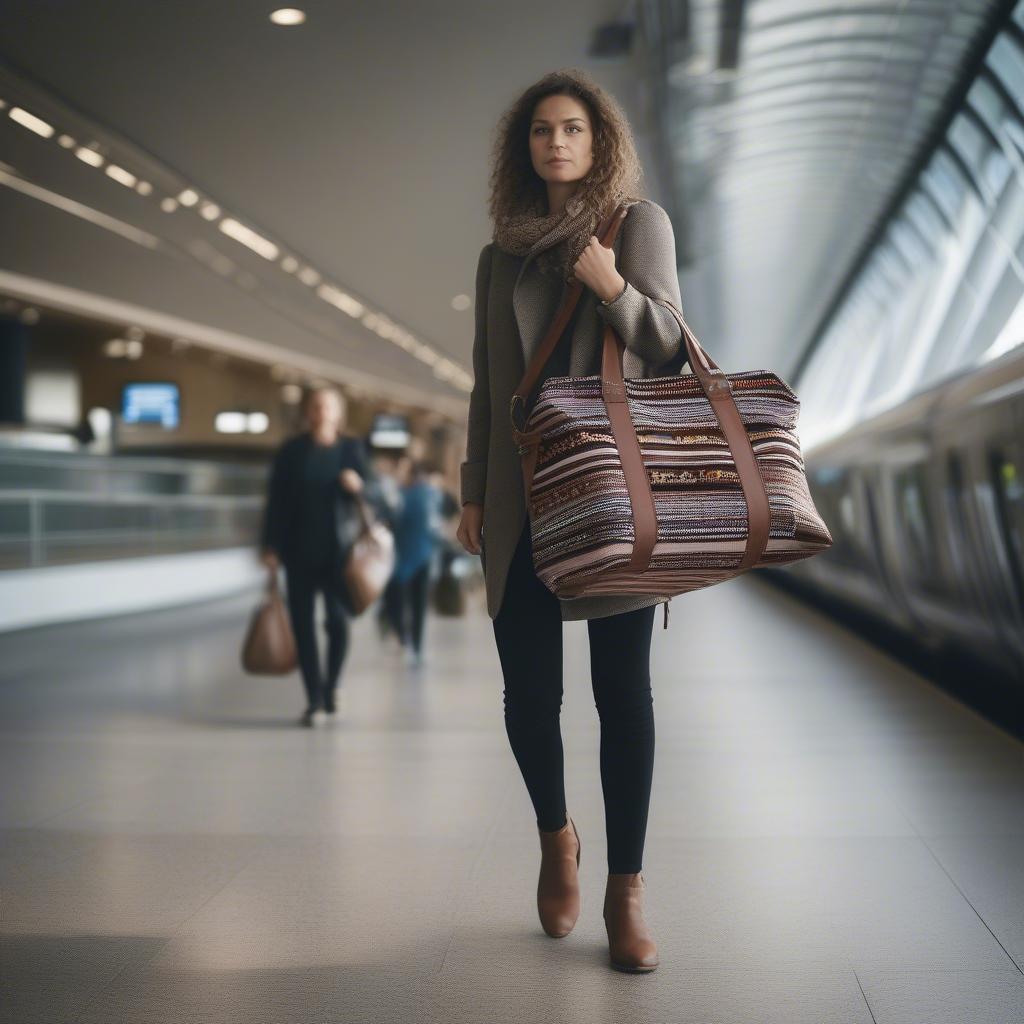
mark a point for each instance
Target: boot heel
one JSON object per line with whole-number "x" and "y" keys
{"x": 631, "y": 947}
{"x": 558, "y": 887}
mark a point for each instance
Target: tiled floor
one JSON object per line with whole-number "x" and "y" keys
{"x": 831, "y": 838}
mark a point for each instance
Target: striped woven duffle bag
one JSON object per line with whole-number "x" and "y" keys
{"x": 659, "y": 485}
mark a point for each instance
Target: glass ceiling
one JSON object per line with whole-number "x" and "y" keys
{"x": 783, "y": 166}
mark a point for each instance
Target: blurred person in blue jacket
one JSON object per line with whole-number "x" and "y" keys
{"x": 389, "y": 607}
{"x": 310, "y": 522}
{"x": 418, "y": 530}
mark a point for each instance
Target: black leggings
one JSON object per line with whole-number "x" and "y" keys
{"x": 528, "y": 632}
{"x": 303, "y": 582}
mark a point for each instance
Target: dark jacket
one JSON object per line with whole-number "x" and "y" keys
{"x": 284, "y": 492}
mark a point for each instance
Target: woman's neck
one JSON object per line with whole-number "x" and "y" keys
{"x": 559, "y": 193}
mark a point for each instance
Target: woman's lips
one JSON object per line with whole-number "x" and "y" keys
{"x": 558, "y": 160}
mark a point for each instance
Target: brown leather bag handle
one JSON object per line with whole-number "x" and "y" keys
{"x": 718, "y": 390}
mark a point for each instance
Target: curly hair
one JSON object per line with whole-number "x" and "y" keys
{"x": 517, "y": 188}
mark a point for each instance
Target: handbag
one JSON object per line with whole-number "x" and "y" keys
{"x": 659, "y": 485}
{"x": 269, "y": 645}
{"x": 448, "y": 593}
{"x": 370, "y": 560}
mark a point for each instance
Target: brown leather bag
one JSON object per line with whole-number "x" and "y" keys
{"x": 659, "y": 485}
{"x": 269, "y": 647}
{"x": 370, "y": 560}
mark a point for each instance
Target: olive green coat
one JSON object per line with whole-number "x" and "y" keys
{"x": 515, "y": 304}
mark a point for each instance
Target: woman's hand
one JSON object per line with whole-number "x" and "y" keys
{"x": 470, "y": 526}
{"x": 350, "y": 480}
{"x": 596, "y": 269}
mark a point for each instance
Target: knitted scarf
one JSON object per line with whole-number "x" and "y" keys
{"x": 559, "y": 237}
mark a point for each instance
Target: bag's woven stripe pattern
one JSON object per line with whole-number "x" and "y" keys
{"x": 581, "y": 518}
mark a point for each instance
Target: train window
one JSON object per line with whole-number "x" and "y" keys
{"x": 916, "y": 526}
{"x": 831, "y": 489}
{"x": 959, "y": 534}
{"x": 1008, "y": 477}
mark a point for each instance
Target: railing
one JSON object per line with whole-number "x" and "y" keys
{"x": 60, "y": 509}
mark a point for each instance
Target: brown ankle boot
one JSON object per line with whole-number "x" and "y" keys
{"x": 630, "y": 945}
{"x": 558, "y": 888}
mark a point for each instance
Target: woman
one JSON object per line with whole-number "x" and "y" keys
{"x": 564, "y": 157}
{"x": 309, "y": 523}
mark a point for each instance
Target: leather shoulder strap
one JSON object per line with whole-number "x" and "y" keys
{"x": 606, "y": 232}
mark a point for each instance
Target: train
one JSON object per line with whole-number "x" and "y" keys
{"x": 925, "y": 503}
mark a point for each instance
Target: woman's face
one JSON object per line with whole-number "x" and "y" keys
{"x": 561, "y": 139}
{"x": 324, "y": 411}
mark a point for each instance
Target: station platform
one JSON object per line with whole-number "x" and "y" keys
{"x": 831, "y": 837}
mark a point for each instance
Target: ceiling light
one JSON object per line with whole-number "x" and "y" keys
{"x": 425, "y": 353}
{"x": 461, "y": 302}
{"x": 119, "y": 174}
{"x": 289, "y": 264}
{"x": 240, "y": 233}
{"x": 101, "y": 421}
{"x": 384, "y": 327}
{"x": 89, "y": 156}
{"x": 144, "y": 188}
{"x": 210, "y": 211}
{"x": 66, "y": 141}
{"x": 189, "y": 197}
{"x": 307, "y": 275}
{"x": 168, "y": 205}
{"x": 288, "y": 16}
{"x": 257, "y": 422}
{"x": 342, "y": 300}
{"x": 31, "y": 122}
{"x": 230, "y": 423}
